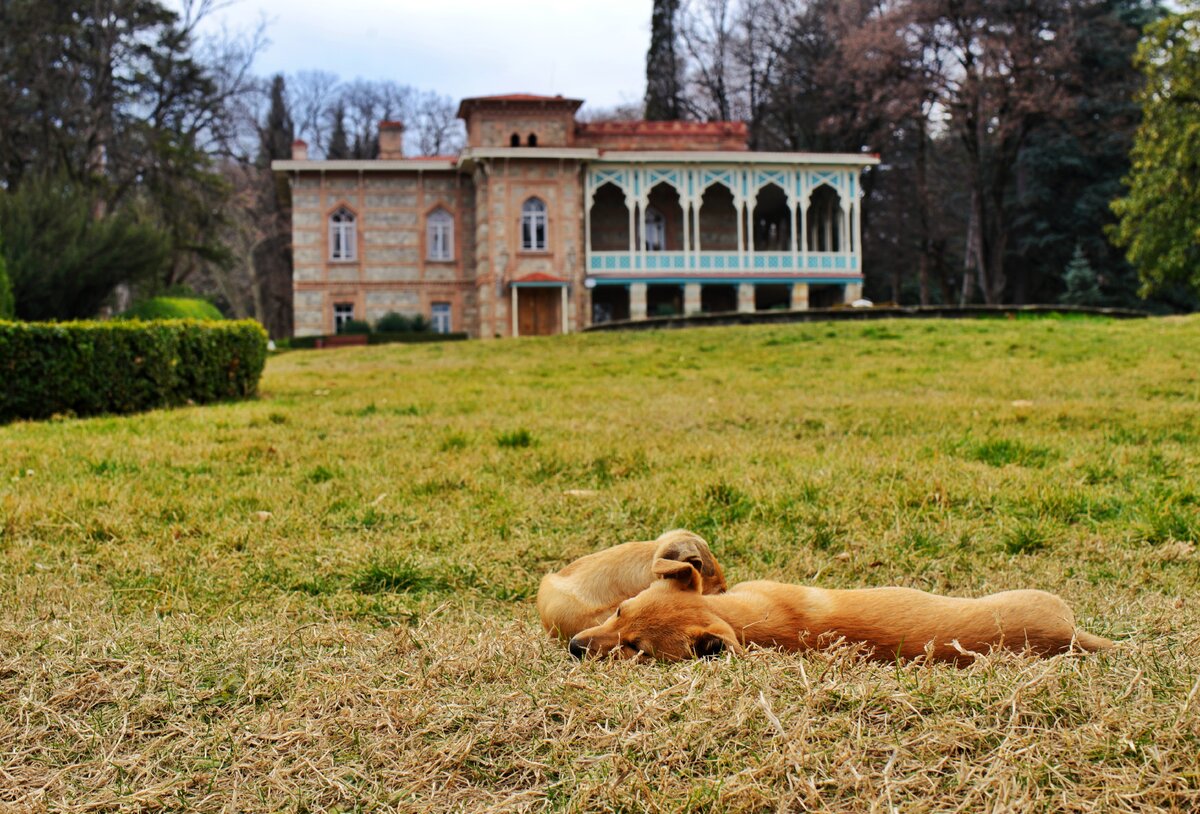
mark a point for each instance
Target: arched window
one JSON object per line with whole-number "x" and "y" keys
{"x": 532, "y": 142}
{"x": 515, "y": 140}
{"x": 533, "y": 225}
{"x": 656, "y": 230}
{"x": 343, "y": 244}
{"x": 439, "y": 235}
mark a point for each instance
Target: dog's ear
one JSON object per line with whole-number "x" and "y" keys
{"x": 682, "y": 574}
{"x": 708, "y": 646}
{"x": 686, "y": 546}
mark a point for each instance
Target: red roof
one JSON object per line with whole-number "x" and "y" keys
{"x": 518, "y": 99}
{"x": 540, "y": 277}
{"x": 636, "y": 128}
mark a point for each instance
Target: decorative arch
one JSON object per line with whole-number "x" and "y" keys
{"x": 343, "y": 233}
{"x": 514, "y": 140}
{"x": 825, "y": 219}
{"x": 533, "y": 225}
{"x": 609, "y": 218}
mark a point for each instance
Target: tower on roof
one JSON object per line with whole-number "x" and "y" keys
{"x": 519, "y": 120}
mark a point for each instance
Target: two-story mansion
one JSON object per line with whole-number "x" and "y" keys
{"x": 546, "y": 225}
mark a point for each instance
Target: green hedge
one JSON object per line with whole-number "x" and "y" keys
{"x": 173, "y": 308}
{"x": 88, "y": 368}
{"x": 310, "y": 342}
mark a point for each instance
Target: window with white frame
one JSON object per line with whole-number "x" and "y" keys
{"x": 343, "y": 244}
{"x": 441, "y": 317}
{"x": 656, "y": 230}
{"x": 343, "y": 313}
{"x": 533, "y": 225}
{"x": 439, "y": 235}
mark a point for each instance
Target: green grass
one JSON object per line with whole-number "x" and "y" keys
{"x": 323, "y": 599}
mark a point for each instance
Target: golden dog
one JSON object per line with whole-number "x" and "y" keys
{"x": 673, "y": 620}
{"x": 587, "y": 591}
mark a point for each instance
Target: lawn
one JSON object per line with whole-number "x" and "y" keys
{"x": 323, "y": 599}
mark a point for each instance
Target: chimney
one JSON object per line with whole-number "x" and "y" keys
{"x": 299, "y": 150}
{"x": 391, "y": 140}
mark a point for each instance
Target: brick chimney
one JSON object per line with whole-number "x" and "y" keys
{"x": 391, "y": 140}
{"x": 299, "y": 150}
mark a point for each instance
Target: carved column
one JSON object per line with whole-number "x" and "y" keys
{"x": 691, "y": 299}
{"x": 637, "y": 301}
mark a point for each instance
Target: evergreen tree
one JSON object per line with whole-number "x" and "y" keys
{"x": 1082, "y": 284}
{"x": 6, "y": 296}
{"x": 64, "y": 261}
{"x": 278, "y": 132}
{"x": 663, "y": 92}
{"x": 339, "y": 146}
{"x": 272, "y": 255}
{"x": 1159, "y": 224}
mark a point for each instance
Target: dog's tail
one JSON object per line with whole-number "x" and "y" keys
{"x": 1091, "y": 642}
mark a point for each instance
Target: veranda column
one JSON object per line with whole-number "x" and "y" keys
{"x": 852, "y": 292}
{"x": 515, "y": 330}
{"x": 800, "y": 297}
{"x": 637, "y": 301}
{"x": 566, "y": 324}
{"x": 691, "y": 299}
{"x": 745, "y": 298}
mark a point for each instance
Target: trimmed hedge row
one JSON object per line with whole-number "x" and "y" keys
{"x": 88, "y": 368}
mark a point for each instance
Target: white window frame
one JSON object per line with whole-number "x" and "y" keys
{"x": 343, "y": 312}
{"x": 656, "y": 230}
{"x": 533, "y": 226}
{"x": 439, "y": 236}
{"x": 343, "y": 235}
{"x": 440, "y": 317}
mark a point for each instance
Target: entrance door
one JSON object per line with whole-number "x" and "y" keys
{"x": 539, "y": 311}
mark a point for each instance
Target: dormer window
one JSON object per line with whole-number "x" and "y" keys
{"x": 533, "y": 225}
{"x": 343, "y": 243}
{"x": 532, "y": 142}
{"x": 439, "y": 235}
{"x": 515, "y": 141}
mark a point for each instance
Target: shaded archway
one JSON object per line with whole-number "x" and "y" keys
{"x": 718, "y": 220}
{"x": 772, "y": 220}
{"x": 609, "y": 220}
{"x": 664, "y": 300}
{"x": 718, "y": 299}
{"x": 824, "y": 218}
{"x": 610, "y": 303}
{"x": 770, "y": 297}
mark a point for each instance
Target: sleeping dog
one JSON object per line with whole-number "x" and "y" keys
{"x": 587, "y": 591}
{"x": 674, "y": 619}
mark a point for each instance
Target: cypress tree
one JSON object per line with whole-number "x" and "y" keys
{"x": 663, "y": 92}
{"x": 339, "y": 145}
{"x": 278, "y": 132}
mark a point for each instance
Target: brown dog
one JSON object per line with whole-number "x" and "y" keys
{"x": 673, "y": 620}
{"x": 587, "y": 591}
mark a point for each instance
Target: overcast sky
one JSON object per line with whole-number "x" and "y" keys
{"x": 590, "y": 49}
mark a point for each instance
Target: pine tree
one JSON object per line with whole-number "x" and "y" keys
{"x": 663, "y": 92}
{"x": 1082, "y": 284}
{"x": 339, "y": 145}
{"x": 272, "y": 255}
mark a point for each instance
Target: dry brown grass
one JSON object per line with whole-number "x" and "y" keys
{"x": 370, "y": 644}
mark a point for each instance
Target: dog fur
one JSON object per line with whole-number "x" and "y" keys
{"x": 586, "y": 592}
{"x": 673, "y": 620}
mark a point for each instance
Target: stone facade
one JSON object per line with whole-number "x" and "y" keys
{"x": 366, "y": 241}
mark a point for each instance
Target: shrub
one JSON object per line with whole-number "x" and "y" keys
{"x": 88, "y": 368}
{"x": 173, "y": 308}
{"x": 356, "y": 326}
{"x": 393, "y": 323}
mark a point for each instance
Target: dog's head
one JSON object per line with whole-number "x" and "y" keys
{"x": 681, "y": 545}
{"x": 669, "y": 621}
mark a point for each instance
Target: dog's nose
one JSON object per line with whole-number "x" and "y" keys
{"x": 577, "y": 650}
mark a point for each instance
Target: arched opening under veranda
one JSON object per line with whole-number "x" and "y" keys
{"x": 718, "y": 220}
{"x": 664, "y": 300}
{"x": 718, "y": 299}
{"x": 609, "y": 220}
{"x": 772, "y": 220}
{"x": 610, "y": 303}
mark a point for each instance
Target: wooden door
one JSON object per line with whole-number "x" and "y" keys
{"x": 539, "y": 311}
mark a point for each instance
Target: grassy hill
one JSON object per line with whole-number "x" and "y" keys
{"x": 324, "y": 598}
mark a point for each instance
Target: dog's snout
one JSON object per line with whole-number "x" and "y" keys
{"x": 577, "y": 650}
